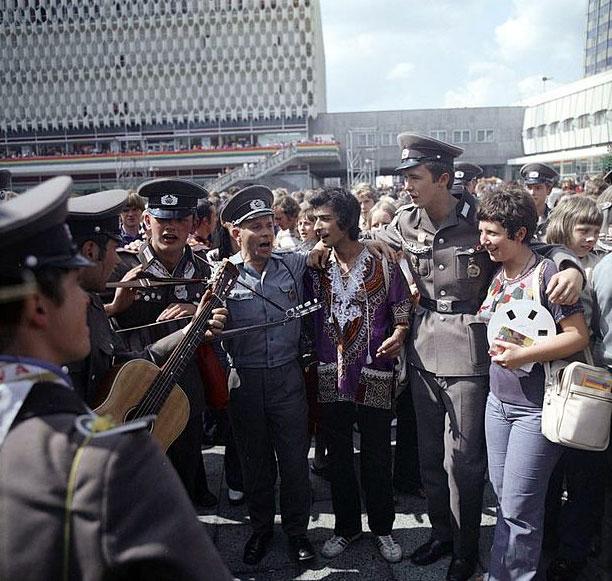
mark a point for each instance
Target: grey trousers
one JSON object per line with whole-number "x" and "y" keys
{"x": 452, "y": 455}
{"x": 269, "y": 418}
{"x": 521, "y": 461}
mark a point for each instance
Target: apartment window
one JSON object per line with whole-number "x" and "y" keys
{"x": 387, "y": 139}
{"x": 461, "y": 136}
{"x": 484, "y": 136}
{"x": 584, "y": 121}
{"x": 541, "y": 130}
{"x": 599, "y": 117}
{"x": 438, "y": 134}
{"x": 553, "y": 128}
{"x": 568, "y": 124}
{"x": 530, "y": 132}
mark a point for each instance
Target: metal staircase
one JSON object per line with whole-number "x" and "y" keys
{"x": 254, "y": 171}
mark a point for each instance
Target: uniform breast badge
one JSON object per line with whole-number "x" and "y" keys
{"x": 473, "y": 270}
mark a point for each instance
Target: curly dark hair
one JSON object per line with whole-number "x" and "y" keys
{"x": 345, "y": 207}
{"x": 513, "y": 207}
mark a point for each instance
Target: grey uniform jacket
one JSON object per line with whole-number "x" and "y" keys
{"x": 282, "y": 283}
{"x": 130, "y": 517}
{"x": 108, "y": 349}
{"x": 453, "y": 272}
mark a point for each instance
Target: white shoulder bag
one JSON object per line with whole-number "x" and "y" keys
{"x": 577, "y": 401}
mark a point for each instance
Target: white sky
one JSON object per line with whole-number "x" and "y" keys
{"x": 409, "y": 54}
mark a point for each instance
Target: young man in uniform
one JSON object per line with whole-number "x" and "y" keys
{"x": 169, "y": 219}
{"x": 267, "y": 406}
{"x": 465, "y": 178}
{"x": 540, "y": 179}
{"x": 447, "y": 346}
{"x": 94, "y": 222}
{"x": 79, "y": 500}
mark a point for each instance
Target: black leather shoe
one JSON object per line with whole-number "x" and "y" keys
{"x": 430, "y": 552}
{"x": 256, "y": 547}
{"x": 564, "y": 569}
{"x": 300, "y": 548}
{"x": 461, "y": 569}
{"x": 205, "y": 501}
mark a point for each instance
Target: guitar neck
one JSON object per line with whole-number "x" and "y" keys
{"x": 174, "y": 367}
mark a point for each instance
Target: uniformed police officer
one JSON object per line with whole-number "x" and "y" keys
{"x": 447, "y": 346}
{"x": 79, "y": 500}
{"x": 95, "y": 226}
{"x": 169, "y": 219}
{"x": 466, "y": 176}
{"x": 267, "y": 407}
{"x": 539, "y": 180}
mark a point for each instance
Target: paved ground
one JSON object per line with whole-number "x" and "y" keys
{"x": 229, "y": 528}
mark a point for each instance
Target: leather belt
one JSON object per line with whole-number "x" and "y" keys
{"x": 447, "y": 306}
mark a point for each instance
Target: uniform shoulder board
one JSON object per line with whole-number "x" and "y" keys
{"x": 280, "y": 252}
{"x": 124, "y": 250}
{"x": 94, "y": 426}
{"x": 405, "y": 207}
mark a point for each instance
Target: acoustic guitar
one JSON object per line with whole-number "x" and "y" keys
{"x": 139, "y": 388}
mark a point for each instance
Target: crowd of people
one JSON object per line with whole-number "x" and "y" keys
{"x": 143, "y": 145}
{"x": 214, "y": 292}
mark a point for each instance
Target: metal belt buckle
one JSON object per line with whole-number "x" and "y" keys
{"x": 444, "y": 306}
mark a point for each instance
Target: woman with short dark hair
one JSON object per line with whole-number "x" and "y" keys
{"x": 520, "y": 458}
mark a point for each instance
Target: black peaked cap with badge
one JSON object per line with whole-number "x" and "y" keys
{"x": 169, "y": 199}
{"x": 418, "y": 149}
{"x": 466, "y": 172}
{"x": 33, "y": 230}
{"x": 250, "y": 202}
{"x": 538, "y": 173}
{"x": 97, "y": 214}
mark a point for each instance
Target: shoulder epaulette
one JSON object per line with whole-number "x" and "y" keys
{"x": 124, "y": 250}
{"x": 94, "y": 426}
{"x": 280, "y": 252}
{"x": 405, "y": 207}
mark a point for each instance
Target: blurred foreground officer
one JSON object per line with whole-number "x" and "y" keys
{"x": 267, "y": 406}
{"x": 79, "y": 500}
{"x": 466, "y": 176}
{"x": 539, "y": 179}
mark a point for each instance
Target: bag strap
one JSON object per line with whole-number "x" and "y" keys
{"x": 537, "y": 297}
{"x": 537, "y": 287}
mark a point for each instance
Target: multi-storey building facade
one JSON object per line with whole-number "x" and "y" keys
{"x": 70, "y": 65}
{"x": 570, "y": 127}
{"x": 598, "y": 49}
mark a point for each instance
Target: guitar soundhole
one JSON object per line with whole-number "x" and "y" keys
{"x": 131, "y": 415}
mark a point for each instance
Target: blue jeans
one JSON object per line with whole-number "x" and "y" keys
{"x": 521, "y": 461}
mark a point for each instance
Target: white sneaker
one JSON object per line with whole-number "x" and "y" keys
{"x": 336, "y": 545}
{"x": 389, "y": 548}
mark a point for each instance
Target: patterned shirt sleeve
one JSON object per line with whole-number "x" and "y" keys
{"x": 399, "y": 297}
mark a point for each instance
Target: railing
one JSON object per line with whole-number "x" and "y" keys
{"x": 253, "y": 171}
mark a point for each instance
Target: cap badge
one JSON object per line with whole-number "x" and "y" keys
{"x": 169, "y": 200}
{"x": 257, "y": 204}
{"x": 533, "y": 174}
{"x": 405, "y": 153}
{"x": 459, "y": 174}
